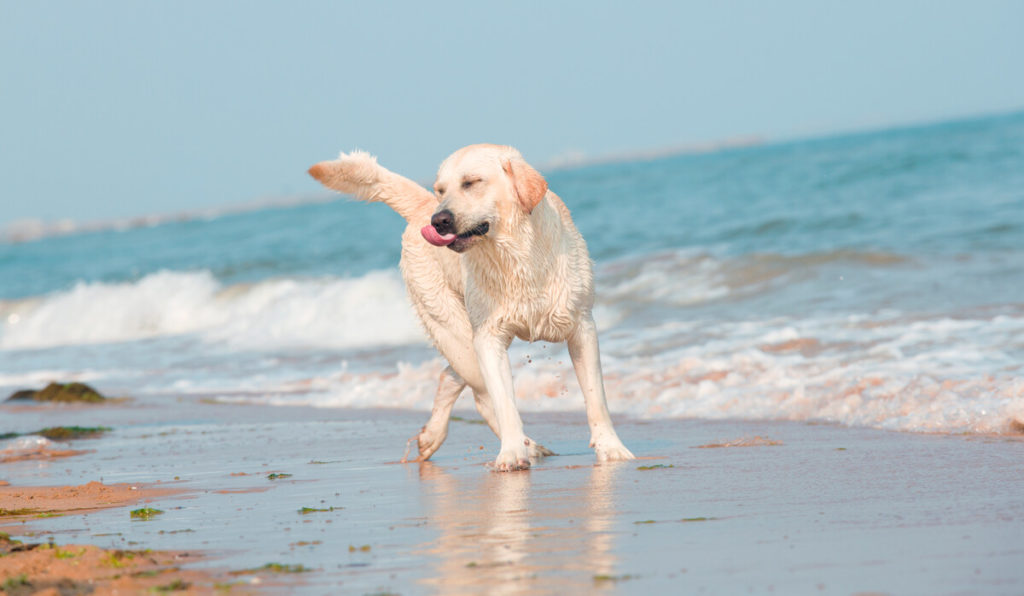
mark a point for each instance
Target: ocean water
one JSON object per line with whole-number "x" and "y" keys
{"x": 872, "y": 279}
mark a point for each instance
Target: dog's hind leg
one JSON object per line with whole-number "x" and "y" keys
{"x": 434, "y": 432}
{"x": 586, "y": 359}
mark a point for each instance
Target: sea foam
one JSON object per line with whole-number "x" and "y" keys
{"x": 889, "y": 372}
{"x": 317, "y": 313}
{"x": 354, "y": 342}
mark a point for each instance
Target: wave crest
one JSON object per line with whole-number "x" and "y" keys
{"x": 325, "y": 313}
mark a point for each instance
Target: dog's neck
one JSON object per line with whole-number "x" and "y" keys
{"x": 513, "y": 262}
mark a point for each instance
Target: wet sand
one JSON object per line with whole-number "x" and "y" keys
{"x": 789, "y": 508}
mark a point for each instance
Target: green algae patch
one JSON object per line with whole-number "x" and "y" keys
{"x": 63, "y": 433}
{"x": 466, "y": 420}
{"x": 655, "y": 467}
{"x": 490, "y": 565}
{"x": 67, "y": 433}
{"x": 175, "y": 586}
{"x": 612, "y": 578}
{"x": 283, "y": 568}
{"x": 145, "y": 514}
{"x": 10, "y": 545}
{"x": 67, "y": 554}
{"x": 274, "y": 568}
{"x": 20, "y": 512}
{"x": 308, "y": 510}
{"x": 117, "y": 558}
{"x": 18, "y": 584}
{"x": 67, "y": 393}
{"x": 684, "y": 520}
{"x": 359, "y": 549}
{"x": 278, "y": 476}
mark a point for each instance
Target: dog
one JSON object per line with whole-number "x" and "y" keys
{"x": 490, "y": 256}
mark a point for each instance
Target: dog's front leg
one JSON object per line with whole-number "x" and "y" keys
{"x": 586, "y": 359}
{"x": 434, "y": 432}
{"x": 492, "y": 354}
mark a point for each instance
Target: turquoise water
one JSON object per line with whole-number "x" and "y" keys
{"x": 869, "y": 279}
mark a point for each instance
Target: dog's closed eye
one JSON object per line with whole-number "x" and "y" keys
{"x": 469, "y": 182}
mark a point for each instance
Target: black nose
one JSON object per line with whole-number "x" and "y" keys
{"x": 444, "y": 222}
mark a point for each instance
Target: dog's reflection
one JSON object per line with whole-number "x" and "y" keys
{"x": 550, "y": 528}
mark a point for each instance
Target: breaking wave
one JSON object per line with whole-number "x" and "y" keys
{"x": 281, "y": 313}
{"x": 890, "y": 372}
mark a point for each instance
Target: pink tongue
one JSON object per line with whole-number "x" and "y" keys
{"x": 430, "y": 235}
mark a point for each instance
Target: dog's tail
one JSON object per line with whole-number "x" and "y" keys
{"x": 357, "y": 173}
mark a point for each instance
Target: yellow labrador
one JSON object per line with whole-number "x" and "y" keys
{"x": 493, "y": 256}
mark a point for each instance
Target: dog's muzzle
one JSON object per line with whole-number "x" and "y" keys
{"x": 441, "y": 231}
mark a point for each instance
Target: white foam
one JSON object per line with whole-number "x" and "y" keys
{"x": 947, "y": 372}
{"x": 677, "y": 278}
{"x": 25, "y": 445}
{"x": 324, "y": 313}
{"x": 958, "y": 377}
{"x": 42, "y": 377}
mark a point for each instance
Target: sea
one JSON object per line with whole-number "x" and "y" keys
{"x": 873, "y": 279}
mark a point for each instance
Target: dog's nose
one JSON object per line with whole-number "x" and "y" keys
{"x": 444, "y": 222}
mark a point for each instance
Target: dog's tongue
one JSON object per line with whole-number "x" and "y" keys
{"x": 430, "y": 235}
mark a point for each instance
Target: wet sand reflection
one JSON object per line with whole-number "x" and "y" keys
{"x": 548, "y": 529}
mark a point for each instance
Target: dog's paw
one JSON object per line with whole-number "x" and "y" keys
{"x": 537, "y": 450}
{"x": 612, "y": 451}
{"x": 513, "y": 458}
{"x": 427, "y": 442}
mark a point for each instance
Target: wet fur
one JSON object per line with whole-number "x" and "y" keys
{"x": 529, "y": 277}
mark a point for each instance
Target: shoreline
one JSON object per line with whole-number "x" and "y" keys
{"x": 719, "y": 506}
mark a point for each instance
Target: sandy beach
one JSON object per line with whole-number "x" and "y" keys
{"x": 242, "y": 253}
{"x": 715, "y": 507}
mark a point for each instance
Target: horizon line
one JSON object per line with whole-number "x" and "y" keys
{"x": 31, "y": 229}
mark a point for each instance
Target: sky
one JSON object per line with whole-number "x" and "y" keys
{"x": 117, "y": 109}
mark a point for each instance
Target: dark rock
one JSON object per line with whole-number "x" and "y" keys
{"x": 23, "y": 394}
{"x": 71, "y": 392}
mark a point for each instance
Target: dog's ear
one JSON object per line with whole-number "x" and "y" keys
{"x": 349, "y": 173}
{"x": 529, "y": 184}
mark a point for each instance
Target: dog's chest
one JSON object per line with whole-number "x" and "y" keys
{"x": 531, "y": 311}
{"x": 545, "y": 320}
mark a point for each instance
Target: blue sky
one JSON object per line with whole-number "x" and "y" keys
{"x": 118, "y": 109}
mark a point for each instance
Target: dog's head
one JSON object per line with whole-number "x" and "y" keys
{"x": 484, "y": 190}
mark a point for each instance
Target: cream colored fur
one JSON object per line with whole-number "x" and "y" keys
{"x": 529, "y": 277}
